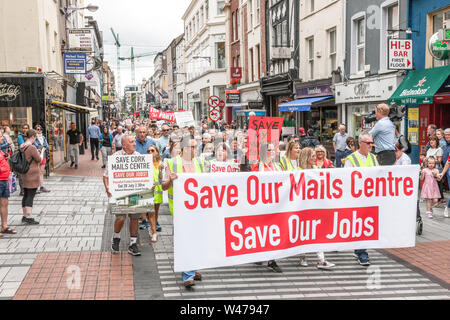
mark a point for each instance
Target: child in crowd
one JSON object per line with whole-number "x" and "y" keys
{"x": 430, "y": 189}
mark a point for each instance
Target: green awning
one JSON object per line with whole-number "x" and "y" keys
{"x": 420, "y": 86}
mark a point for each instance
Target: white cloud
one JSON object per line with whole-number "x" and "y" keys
{"x": 147, "y": 25}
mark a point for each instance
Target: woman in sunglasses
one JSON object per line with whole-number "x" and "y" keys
{"x": 41, "y": 143}
{"x": 158, "y": 168}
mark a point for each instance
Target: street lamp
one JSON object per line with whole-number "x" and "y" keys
{"x": 90, "y": 7}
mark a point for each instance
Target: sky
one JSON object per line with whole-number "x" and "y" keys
{"x": 147, "y": 25}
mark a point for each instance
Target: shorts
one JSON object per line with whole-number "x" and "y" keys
{"x": 4, "y": 189}
{"x": 132, "y": 216}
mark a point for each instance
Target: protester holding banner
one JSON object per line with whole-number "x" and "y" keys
{"x": 128, "y": 148}
{"x": 362, "y": 158}
{"x": 289, "y": 162}
{"x": 307, "y": 160}
{"x": 158, "y": 168}
{"x": 322, "y": 162}
{"x": 267, "y": 154}
{"x": 186, "y": 163}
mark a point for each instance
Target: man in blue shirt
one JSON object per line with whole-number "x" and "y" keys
{"x": 384, "y": 135}
{"x": 142, "y": 144}
{"x": 93, "y": 135}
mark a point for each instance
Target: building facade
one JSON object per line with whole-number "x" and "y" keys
{"x": 367, "y": 81}
{"x": 205, "y": 55}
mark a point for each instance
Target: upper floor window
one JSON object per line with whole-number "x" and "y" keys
{"x": 441, "y": 20}
{"x": 220, "y": 5}
{"x": 332, "y": 49}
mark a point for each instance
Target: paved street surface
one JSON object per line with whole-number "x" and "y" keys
{"x": 67, "y": 257}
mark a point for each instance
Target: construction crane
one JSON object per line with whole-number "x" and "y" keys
{"x": 117, "y": 44}
{"x": 132, "y": 58}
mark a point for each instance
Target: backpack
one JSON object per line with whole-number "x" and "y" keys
{"x": 408, "y": 144}
{"x": 19, "y": 163}
{"x": 309, "y": 143}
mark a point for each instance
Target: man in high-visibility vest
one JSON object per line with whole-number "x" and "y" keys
{"x": 183, "y": 164}
{"x": 362, "y": 158}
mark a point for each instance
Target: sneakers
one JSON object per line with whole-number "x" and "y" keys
{"x": 103, "y": 167}
{"x": 71, "y": 164}
{"x": 133, "y": 250}
{"x": 44, "y": 190}
{"x": 446, "y": 212}
{"x": 325, "y": 265}
{"x": 158, "y": 227}
{"x": 273, "y": 266}
{"x": 29, "y": 221}
{"x": 154, "y": 237}
{"x": 144, "y": 225}
{"x": 115, "y": 245}
{"x": 303, "y": 261}
{"x": 362, "y": 260}
{"x": 429, "y": 214}
{"x": 76, "y": 166}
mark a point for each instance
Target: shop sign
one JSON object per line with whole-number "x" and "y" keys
{"x": 233, "y": 96}
{"x": 236, "y": 73}
{"x": 81, "y": 40}
{"x": 378, "y": 89}
{"x": 315, "y": 91}
{"x": 75, "y": 62}
{"x": 438, "y": 47}
{"x": 9, "y": 92}
{"x": 400, "y": 55}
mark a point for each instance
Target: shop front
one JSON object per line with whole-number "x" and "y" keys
{"x": 426, "y": 93}
{"x": 276, "y": 90}
{"x": 357, "y": 99}
{"x": 321, "y": 111}
{"x": 35, "y": 99}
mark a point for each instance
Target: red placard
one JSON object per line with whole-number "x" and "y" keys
{"x": 260, "y": 130}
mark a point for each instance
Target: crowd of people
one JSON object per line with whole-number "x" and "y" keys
{"x": 192, "y": 149}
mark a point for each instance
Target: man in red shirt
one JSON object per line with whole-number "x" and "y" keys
{"x": 4, "y": 193}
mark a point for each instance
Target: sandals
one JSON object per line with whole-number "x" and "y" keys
{"x": 8, "y": 230}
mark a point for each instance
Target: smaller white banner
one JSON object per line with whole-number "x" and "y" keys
{"x": 184, "y": 119}
{"x": 130, "y": 183}
{"x": 217, "y": 166}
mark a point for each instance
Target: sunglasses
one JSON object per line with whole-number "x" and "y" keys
{"x": 152, "y": 150}
{"x": 38, "y": 129}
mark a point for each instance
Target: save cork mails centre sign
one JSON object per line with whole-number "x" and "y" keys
{"x": 400, "y": 55}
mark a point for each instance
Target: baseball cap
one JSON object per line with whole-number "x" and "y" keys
{"x": 302, "y": 132}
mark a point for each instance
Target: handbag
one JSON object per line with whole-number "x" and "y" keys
{"x": 12, "y": 183}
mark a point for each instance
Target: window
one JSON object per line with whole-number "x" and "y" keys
{"x": 360, "y": 43}
{"x": 252, "y": 67}
{"x": 392, "y": 20}
{"x": 332, "y": 49}
{"x": 250, "y": 12}
{"x": 233, "y": 32}
{"x": 439, "y": 21}
{"x": 220, "y": 5}
{"x": 220, "y": 55}
{"x": 201, "y": 16}
{"x": 258, "y": 11}
{"x": 280, "y": 36}
{"x": 389, "y": 25}
{"x": 311, "y": 58}
{"x": 258, "y": 61}
{"x": 311, "y": 5}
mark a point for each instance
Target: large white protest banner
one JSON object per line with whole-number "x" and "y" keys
{"x": 130, "y": 180}
{"x": 224, "y": 219}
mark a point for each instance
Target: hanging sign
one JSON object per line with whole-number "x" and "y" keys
{"x": 400, "y": 54}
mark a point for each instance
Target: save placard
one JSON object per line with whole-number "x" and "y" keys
{"x": 130, "y": 180}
